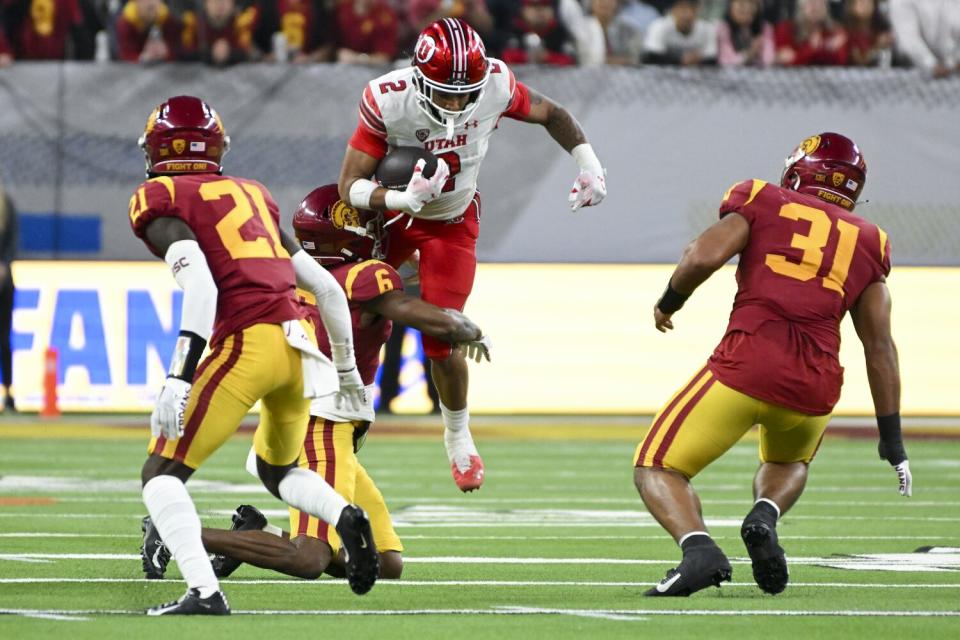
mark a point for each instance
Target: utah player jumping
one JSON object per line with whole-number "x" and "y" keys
{"x": 220, "y": 236}
{"x": 348, "y": 243}
{"x": 805, "y": 260}
{"x": 450, "y": 101}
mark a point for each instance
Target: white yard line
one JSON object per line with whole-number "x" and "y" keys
{"x": 529, "y": 517}
{"x": 572, "y": 538}
{"x": 615, "y": 614}
{"x": 328, "y": 582}
{"x": 202, "y": 498}
{"x": 944, "y": 559}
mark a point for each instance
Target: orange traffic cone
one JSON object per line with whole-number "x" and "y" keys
{"x": 50, "y": 408}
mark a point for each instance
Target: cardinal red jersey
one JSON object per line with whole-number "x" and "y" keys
{"x": 805, "y": 264}
{"x": 235, "y": 221}
{"x": 362, "y": 282}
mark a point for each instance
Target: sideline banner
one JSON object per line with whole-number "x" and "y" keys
{"x": 567, "y": 338}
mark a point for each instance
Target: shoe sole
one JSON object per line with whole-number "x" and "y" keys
{"x": 363, "y": 566}
{"x": 769, "y": 565}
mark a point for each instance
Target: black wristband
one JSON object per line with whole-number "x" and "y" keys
{"x": 889, "y": 427}
{"x": 672, "y": 300}
{"x": 186, "y": 356}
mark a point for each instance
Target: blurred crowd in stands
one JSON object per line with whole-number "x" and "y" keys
{"x": 759, "y": 33}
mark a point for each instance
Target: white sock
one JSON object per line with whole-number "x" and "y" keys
{"x": 307, "y": 491}
{"x": 771, "y": 503}
{"x": 456, "y": 434}
{"x": 176, "y": 519}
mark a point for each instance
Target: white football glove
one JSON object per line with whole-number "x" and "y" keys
{"x": 589, "y": 190}
{"x": 906, "y": 480}
{"x": 167, "y": 416}
{"x": 476, "y": 350}
{"x": 419, "y": 190}
{"x": 352, "y": 394}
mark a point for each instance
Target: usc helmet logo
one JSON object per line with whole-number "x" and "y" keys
{"x": 343, "y": 215}
{"x": 179, "y": 145}
{"x": 837, "y": 178}
{"x": 810, "y": 145}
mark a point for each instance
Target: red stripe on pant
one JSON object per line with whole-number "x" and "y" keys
{"x": 162, "y": 440}
{"x": 311, "y": 452}
{"x": 329, "y": 472}
{"x": 663, "y": 415}
{"x": 672, "y": 432}
{"x": 203, "y": 403}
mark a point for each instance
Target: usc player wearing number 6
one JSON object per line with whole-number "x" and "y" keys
{"x": 239, "y": 275}
{"x": 449, "y": 102}
{"x": 805, "y": 260}
{"x": 349, "y": 243}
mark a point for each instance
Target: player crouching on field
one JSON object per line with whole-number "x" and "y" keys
{"x": 805, "y": 260}
{"x": 349, "y": 243}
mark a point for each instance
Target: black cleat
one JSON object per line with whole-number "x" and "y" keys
{"x": 191, "y": 604}
{"x": 245, "y": 518}
{"x": 153, "y": 553}
{"x": 769, "y": 562}
{"x": 701, "y": 567}
{"x": 359, "y": 551}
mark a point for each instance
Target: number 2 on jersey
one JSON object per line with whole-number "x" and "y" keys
{"x": 812, "y": 245}
{"x": 452, "y": 158}
{"x": 267, "y": 241}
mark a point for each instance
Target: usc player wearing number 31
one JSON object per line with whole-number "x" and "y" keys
{"x": 450, "y": 101}
{"x": 805, "y": 260}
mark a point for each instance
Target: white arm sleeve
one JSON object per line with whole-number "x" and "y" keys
{"x": 361, "y": 191}
{"x": 192, "y": 273}
{"x": 331, "y": 301}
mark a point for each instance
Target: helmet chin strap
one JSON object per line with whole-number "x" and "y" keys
{"x": 450, "y": 124}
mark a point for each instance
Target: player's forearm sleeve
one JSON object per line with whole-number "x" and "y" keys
{"x": 331, "y": 300}
{"x": 192, "y": 273}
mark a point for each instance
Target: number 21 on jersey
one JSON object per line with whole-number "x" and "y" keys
{"x": 812, "y": 244}
{"x": 266, "y": 243}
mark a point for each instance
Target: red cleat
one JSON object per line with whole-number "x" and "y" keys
{"x": 471, "y": 477}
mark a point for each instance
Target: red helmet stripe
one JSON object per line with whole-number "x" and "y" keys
{"x": 459, "y": 49}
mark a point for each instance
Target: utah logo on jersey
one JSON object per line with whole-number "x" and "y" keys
{"x": 422, "y": 134}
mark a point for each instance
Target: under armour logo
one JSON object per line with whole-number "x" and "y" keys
{"x": 473, "y": 124}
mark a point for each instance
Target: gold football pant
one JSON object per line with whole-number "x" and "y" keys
{"x": 254, "y": 364}
{"x": 706, "y": 417}
{"x": 328, "y": 450}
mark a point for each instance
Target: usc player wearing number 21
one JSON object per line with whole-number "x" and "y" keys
{"x": 450, "y": 101}
{"x": 805, "y": 260}
{"x": 220, "y": 236}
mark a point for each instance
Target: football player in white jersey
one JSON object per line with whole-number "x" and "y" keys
{"x": 449, "y": 101}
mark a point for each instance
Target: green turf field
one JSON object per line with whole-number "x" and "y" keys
{"x": 555, "y": 545}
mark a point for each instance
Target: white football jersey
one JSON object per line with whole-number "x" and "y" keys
{"x": 389, "y": 111}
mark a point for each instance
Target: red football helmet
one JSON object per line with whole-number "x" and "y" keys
{"x": 828, "y": 166}
{"x": 449, "y": 57}
{"x": 333, "y": 232}
{"x": 184, "y": 135}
